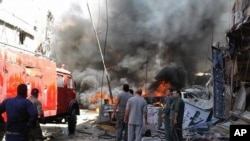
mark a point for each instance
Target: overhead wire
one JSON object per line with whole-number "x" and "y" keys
{"x": 98, "y": 21}
{"x": 107, "y": 26}
{"x": 106, "y": 35}
{"x": 105, "y": 45}
{"x": 99, "y": 11}
{"x": 105, "y": 135}
{"x": 102, "y": 57}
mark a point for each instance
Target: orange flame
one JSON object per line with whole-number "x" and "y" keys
{"x": 97, "y": 110}
{"x": 163, "y": 86}
{"x": 100, "y": 96}
{"x": 160, "y": 91}
{"x": 144, "y": 92}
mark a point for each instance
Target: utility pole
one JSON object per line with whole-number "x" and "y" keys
{"x": 103, "y": 62}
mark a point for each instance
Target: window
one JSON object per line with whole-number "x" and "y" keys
{"x": 60, "y": 81}
{"x": 70, "y": 83}
{"x": 22, "y": 36}
{"x": 35, "y": 72}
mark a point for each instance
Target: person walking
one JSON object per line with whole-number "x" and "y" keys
{"x": 166, "y": 114}
{"x": 136, "y": 108}
{"x": 176, "y": 116}
{"x": 21, "y": 115}
{"x": 120, "y": 105}
{"x": 36, "y": 133}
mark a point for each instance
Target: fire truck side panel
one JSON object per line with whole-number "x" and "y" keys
{"x": 13, "y": 72}
{"x": 66, "y": 91}
{"x": 18, "y": 67}
{"x": 49, "y": 89}
{"x": 70, "y": 90}
{"x": 2, "y": 93}
{"x": 62, "y": 93}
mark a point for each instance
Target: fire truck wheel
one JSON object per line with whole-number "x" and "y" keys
{"x": 72, "y": 122}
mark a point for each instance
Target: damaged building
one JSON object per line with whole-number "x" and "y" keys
{"x": 231, "y": 63}
{"x": 225, "y": 100}
{"x": 231, "y": 73}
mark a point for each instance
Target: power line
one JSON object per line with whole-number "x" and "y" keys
{"x": 102, "y": 57}
{"x": 105, "y": 41}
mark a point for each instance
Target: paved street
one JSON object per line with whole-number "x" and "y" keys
{"x": 87, "y": 129}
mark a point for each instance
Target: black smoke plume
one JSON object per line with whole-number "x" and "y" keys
{"x": 144, "y": 38}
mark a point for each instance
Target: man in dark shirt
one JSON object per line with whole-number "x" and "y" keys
{"x": 176, "y": 116}
{"x": 21, "y": 115}
{"x": 166, "y": 114}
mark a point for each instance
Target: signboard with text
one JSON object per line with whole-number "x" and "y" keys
{"x": 194, "y": 115}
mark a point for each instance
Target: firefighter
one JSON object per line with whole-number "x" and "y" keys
{"x": 36, "y": 133}
{"x": 21, "y": 115}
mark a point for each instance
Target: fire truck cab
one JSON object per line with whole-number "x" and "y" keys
{"x": 56, "y": 87}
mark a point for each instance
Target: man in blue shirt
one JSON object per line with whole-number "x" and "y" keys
{"x": 21, "y": 115}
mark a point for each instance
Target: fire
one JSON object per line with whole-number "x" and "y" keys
{"x": 144, "y": 92}
{"x": 161, "y": 89}
{"x": 101, "y": 96}
{"x": 97, "y": 110}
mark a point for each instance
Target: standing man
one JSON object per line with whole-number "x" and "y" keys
{"x": 21, "y": 115}
{"x": 131, "y": 91}
{"x": 36, "y": 133}
{"x": 120, "y": 105}
{"x": 135, "y": 110}
{"x": 166, "y": 114}
{"x": 176, "y": 116}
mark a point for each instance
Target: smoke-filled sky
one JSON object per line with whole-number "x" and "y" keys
{"x": 147, "y": 40}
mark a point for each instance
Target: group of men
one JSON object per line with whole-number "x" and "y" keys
{"x": 129, "y": 111}
{"x": 22, "y": 116}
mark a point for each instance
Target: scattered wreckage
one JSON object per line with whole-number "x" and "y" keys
{"x": 225, "y": 99}
{"x": 200, "y": 122}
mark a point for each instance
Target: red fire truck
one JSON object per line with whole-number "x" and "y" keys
{"x": 57, "y": 91}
